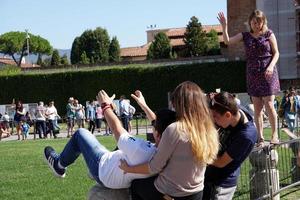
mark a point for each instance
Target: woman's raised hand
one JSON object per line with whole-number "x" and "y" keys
{"x": 139, "y": 98}
{"x": 102, "y": 97}
{"x": 222, "y": 19}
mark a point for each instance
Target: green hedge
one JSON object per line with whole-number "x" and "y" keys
{"x": 154, "y": 82}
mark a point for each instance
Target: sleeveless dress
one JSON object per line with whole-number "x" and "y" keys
{"x": 259, "y": 56}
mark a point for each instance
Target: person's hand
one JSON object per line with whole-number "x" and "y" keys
{"x": 102, "y": 97}
{"x": 222, "y": 20}
{"x": 124, "y": 166}
{"x": 269, "y": 72}
{"x": 139, "y": 98}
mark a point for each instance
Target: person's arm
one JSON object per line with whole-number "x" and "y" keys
{"x": 21, "y": 112}
{"x": 44, "y": 113}
{"x": 112, "y": 120}
{"x": 131, "y": 109}
{"x": 139, "y": 98}
{"x": 228, "y": 40}
{"x": 160, "y": 159}
{"x": 274, "y": 46}
{"x": 222, "y": 161}
{"x": 137, "y": 169}
{"x": 283, "y": 102}
{"x": 56, "y": 114}
{"x": 83, "y": 112}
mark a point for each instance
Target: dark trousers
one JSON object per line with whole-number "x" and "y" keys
{"x": 92, "y": 126}
{"x": 41, "y": 128}
{"x": 144, "y": 189}
{"x": 51, "y": 128}
{"x": 125, "y": 121}
{"x": 98, "y": 123}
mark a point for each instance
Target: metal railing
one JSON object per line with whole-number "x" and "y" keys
{"x": 269, "y": 171}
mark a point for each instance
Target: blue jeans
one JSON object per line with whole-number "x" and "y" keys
{"x": 290, "y": 120}
{"x": 86, "y": 143}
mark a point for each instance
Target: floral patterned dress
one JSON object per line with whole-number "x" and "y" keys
{"x": 259, "y": 56}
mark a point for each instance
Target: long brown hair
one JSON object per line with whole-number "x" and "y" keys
{"x": 195, "y": 120}
{"x": 19, "y": 106}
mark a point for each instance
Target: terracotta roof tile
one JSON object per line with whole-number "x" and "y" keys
{"x": 172, "y": 32}
{"x": 9, "y": 61}
{"x": 177, "y": 42}
{"x": 175, "y": 32}
{"x": 135, "y": 51}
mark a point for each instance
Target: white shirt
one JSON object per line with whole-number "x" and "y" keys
{"x": 124, "y": 107}
{"x": 51, "y": 112}
{"x": 5, "y": 118}
{"x": 135, "y": 151}
{"x": 79, "y": 112}
{"x": 131, "y": 110}
{"x": 40, "y": 111}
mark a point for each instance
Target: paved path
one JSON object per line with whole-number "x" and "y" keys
{"x": 63, "y": 134}
{"x": 141, "y": 130}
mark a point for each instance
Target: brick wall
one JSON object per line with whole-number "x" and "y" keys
{"x": 238, "y": 12}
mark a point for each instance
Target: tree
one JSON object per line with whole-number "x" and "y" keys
{"x": 64, "y": 60}
{"x": 75, "y": 51}
{"x": 150, "y": 52}
{"x": 160, "y": 47}
{"x": 14, "y": 44}
{"x": 114, "y": 50}
{"x": 39, "y": 60}
{"x": 195, "y": 38}
{"x": 213, "y": 44}
{"x": 84, "y": 59}
{"x": 95, "y": 43}
{"x": 47, "y": 62}
{"x": 101, "y": 43}
{"x": 55, "y": 60}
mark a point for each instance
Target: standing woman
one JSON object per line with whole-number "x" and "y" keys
{"x": 19, "y": 115}
{"x": 182, "y": 153}
{"x": 262, "y": 76}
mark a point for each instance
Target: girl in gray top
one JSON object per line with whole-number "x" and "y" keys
{"x": 183, "y": 151}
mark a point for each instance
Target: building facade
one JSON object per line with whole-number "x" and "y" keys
{"x": 284, "y": 20}
{"x": 176, "y": 36}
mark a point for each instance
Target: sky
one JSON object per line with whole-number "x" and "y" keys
{"x": 60, "y": 21}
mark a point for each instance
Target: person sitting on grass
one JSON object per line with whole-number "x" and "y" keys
{"x": 4, "y": 132}
{"x": 103, "y": 165}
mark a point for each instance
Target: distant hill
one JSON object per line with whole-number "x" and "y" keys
{"x": 33, "y": 58}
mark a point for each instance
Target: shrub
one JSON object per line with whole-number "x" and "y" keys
{"x": 154, "y": 82}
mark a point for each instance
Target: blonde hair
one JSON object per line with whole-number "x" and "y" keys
{"x": 259, "y": 16}
{"x": 194, "y": 119}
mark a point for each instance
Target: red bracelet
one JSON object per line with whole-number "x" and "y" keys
{"x": 103, "y": 105}
{"x": 105, "y": 108}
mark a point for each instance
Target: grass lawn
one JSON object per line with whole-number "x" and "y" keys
{"x": 25, "y": 175}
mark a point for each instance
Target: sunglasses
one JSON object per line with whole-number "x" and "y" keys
{"x": 214, "y": 102}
